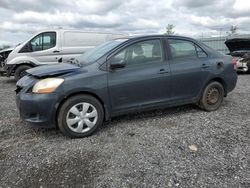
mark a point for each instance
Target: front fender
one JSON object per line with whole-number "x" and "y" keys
{"x": 102, "y": 98}
{"x": 11, "y": 67}
{"x": 23, "y": 60}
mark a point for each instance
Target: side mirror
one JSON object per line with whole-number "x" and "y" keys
{"x": 117, "y": 63}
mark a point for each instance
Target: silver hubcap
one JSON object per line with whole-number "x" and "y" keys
{"x": 82, "y": 117}
{"x": 213, "y": 96}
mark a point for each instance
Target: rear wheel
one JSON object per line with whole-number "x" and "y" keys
{"x": 80, "y": 116}
{"x": 212, "y": 97}
{"x": 21, "y": 71}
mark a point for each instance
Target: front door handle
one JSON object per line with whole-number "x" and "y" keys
{"x": 163, "y": 71}
{"x": 204, "y": 66}
{"x": 56, "y": 51}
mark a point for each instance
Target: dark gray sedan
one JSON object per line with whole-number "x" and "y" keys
{"x": 123, "y": 76}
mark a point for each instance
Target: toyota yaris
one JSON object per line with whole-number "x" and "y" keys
{"x": 124, "y": 76}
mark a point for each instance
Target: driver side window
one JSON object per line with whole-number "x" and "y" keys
{"x": 43, "y": 41}
{"x": 36, "y": 43}
{"x": 149, "y": 51}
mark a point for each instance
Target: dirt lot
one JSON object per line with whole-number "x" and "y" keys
{"x": 141, "y": 150}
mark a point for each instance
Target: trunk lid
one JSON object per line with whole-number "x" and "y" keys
{"x": 238, "y": 44}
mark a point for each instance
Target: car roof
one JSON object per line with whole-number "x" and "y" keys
{"x": 82, "y": 31}
{"x": 156, "y": 36}
{"x": 199, "y": 43}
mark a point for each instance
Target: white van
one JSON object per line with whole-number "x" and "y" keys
{"x": 53, "y": 46}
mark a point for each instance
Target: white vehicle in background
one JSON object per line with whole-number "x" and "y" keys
{"x": 51, "y": 47}
{"x": 240, "y": 49}
{"x": 3, "y": 56}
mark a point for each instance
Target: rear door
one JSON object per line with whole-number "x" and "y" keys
{"x": 46, "y": 48}
{"x": 144, "y": 81}
{"x": 190, "y": 68}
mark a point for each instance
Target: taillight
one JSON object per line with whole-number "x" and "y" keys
{"x": 234, "y": 62}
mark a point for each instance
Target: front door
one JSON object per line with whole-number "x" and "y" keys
{"x": 45, "y": 48}
{"x": 144, "y": 81}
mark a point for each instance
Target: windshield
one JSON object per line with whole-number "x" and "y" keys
{"x": 99, "y": 51}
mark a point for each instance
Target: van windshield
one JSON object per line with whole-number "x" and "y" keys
{"x": 99, "y": 51}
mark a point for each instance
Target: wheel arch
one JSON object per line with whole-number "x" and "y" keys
{"x": 104, "y": 106}
{"x": 220, "y": 80}
{"x": 29, "y": 63}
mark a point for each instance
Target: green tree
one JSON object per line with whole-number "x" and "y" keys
{"x": 170, "y": 29}
{"x": 232, "y": 30}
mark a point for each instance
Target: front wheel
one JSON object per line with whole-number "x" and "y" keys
{"x": 80, "y": 116}
{"x": 212, "y": 97}
{"x": 21, "y": 71}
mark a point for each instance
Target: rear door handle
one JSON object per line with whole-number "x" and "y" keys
{"x": 56, "y": 51}
{"x": 163, "y": 71}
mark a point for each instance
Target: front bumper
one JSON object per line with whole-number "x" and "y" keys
{"x": 37, "y": 109}
{"x": 9, "y": 69}
{"x": 2, "y": 67}
{"x": 6, "y": 69}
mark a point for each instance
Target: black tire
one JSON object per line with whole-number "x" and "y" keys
{"x": 65, "y": 108}
{"x": 21, "y": 71}
{"x": 248, "y": 65}
{"x": 212, "y": 97}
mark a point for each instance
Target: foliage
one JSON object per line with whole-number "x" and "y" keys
{"x": 232, "y": 30}
{"x": 170, "y": 29}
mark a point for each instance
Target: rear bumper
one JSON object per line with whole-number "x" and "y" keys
{"x": 242, "y": 67}
{"x": 38, "y": 109}
{"x": 231, "y": 82}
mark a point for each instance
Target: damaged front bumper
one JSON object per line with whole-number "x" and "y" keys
{"x": 6, "y": 69}
{"x": 2, "y": 67}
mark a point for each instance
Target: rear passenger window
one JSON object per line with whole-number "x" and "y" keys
{"x": 185, "y": 49}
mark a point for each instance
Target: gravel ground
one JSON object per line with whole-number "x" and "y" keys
{"x": 141, "y": 150}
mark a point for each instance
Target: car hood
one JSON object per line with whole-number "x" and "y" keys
{"x": 6, "y": 50}
{"x": 238, "y": 44}
{"x": 52, "y": 70}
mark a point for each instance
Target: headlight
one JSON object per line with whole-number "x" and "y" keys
{"x": 47, "y": 85}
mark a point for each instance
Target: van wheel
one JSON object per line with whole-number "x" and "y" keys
{"x": 248, "y": 66}
{"x": 21, "y": 71}
{"x": 212, "y": 97}
{"x": 80, "y": 116}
